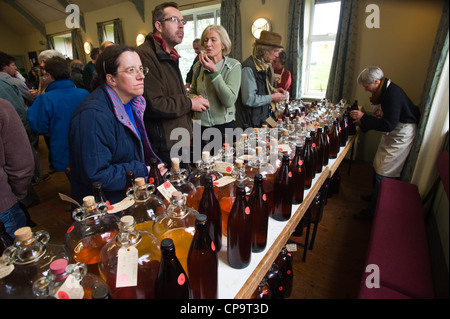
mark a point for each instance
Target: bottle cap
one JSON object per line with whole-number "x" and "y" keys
{"x": 175, "y": 163}
{"x": 167, "y": 243}
{"x": 153, "y": 160}
{"x": 140, "y": 181}
{"x": 205, "y": 156}
{"x": 258, "y": 177}
{"x": 200, "y": 218}
{"x": 59, "y": 266}
{"x": 23, "y": 233}
{"x": 240, "y": 163}
{"x": 177, "y": 195}
{"x": 88, "y": 201}
{"x": 101, "y": 292}
{"x": 127, "y": 220}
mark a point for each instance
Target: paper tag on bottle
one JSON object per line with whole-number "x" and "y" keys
{"x": 224, "y": 181}
{"x": 223, "y": 167}
{"x": 70, "y": 289}
{"x": 291, "y": 247}
{"x": 5, "y": 268}
{"x": 127, "y": 267}
{"x": 285, "y": 148}
{"x": 122, "y": 205}
{"x": 247, "y": 158}
{"x": 166, "y": 189}
{"x": 271, "y": 122}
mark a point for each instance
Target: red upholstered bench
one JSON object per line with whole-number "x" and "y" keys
{"x": 398, "y": 245}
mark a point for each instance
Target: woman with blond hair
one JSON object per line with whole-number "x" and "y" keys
{"x": 217, "y": 78}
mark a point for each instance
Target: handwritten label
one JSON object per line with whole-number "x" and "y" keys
{"x": 127, "y": 267}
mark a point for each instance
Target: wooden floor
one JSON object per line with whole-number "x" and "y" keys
{"x": 332, "y": 269}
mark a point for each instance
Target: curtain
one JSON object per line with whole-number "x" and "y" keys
{"x": 294, "y": 47}
{"x": 77, "y": 46}
{"x": 50, "y": 42}
{"x": 230, "y": 19}
{"x": 118, "y": 33}
{"x": 436, "y": 65}
{"x": 100, "y": 33}
{"x": 340, "y": 81}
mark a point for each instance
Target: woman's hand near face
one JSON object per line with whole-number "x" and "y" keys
{"x": 207, "y": 63}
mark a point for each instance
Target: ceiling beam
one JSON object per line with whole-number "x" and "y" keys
{"x": 64, "y": 3}
{"x": 139, "y": 4}
{"x": 34, "y": 21}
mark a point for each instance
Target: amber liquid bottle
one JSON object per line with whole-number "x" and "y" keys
{"x": 298, "y": 176}
{"x": 154, "y": 176}
{"x": 209, "y": 206}
{"x": 319, "y": 147}
{"x": 334, "y": 140}
{"x": 314, "y": 151}
{"x": 325, "y": 145}
{"x": 308, "y": 161}
{"x": 202, "y": 262}
{"x": 239, "y": 234}
{"x": 172, "y": 282}
{"x": 351, "y": 125}
{"x": 282, "y": 197}
{"x": 129, "y": 181}
{"x": 258, "y": 204}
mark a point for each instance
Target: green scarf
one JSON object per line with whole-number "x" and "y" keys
{"x": 262, "y": 65}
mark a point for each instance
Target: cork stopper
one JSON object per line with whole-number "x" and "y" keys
{"x": 88, "y": 201}
{"x": 59, "y": 266}
{"x": 285, "y": 133}
{"x": 177, "y": 195}
{"x": 258, "y": 150}
{"x": 291, "y": 127}
{"x": 23, "y": 234}
{"x": 255, "y": 130}
{"x": 127, "y": 220}
{"x": 264, "y": 126}
{"x": 240, "y": 163}
{"x": 140, "y": 181}
{"x": 205, "y": 156}
{"x": 175, "y": 163}
{"x": 244, "y": 136}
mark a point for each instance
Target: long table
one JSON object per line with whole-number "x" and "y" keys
{"x": 241, "y": 283}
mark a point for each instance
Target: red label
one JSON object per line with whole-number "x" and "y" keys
{"x": 289, "y": 272}
{"x": 213, "y": 177}
{"x": 313, "y": 144}
{"x": 181, "y": 279}
{"x": 216, "y": 183}
{"x": 70, "y": 229}
{"x": 247, "y": 210}
{"x": 229, "y": 169}
{"x": 280, "y": 288}
{"x": 151, "y": 180}
{"x": 280, "y": 149}
{"x": 290, "y": 174}
{"x": 213, "y": 247}
{"x": 300, "y": 163}
{"x": 264, "y": 197}
{"x": 63, "y": 295}
{"x": 166, "y": 185}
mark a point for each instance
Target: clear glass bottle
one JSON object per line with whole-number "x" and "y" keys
{"x": 172, "y": 281}
{"x": 178, "y": 177}
{"x": 178, "y": 224}
{"x": 90, "y": 231}
{"x": 26, "y": 261}
{"x": 202, "y": 262}
{"x": 146, "y": 207}
{"x": 65, "y": 281}
{"x": 119, "y": 258}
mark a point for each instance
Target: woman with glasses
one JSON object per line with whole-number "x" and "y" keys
{"x": 107, "y": 135}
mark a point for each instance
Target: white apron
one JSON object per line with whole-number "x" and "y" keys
{"x": 394, "y": 149}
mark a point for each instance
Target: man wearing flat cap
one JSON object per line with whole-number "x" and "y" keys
{"x": 259, "y": 94}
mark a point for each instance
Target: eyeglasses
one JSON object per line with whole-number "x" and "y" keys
{"x": 135, "y": 71}
{"x": 174, "y": 19}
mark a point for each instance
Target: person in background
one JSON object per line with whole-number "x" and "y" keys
{"x": 89, "y": 68}
{"x": 9, "y": 72}
{"x": 51, "y": 112}
{"x": 107, "y": 135}
{"x": 282, "y": 76}
{"x": 197, "y": 49}
{"x": 44, "y": 78}
{"x": 16, "y": 168}
{"x": 218, "y": 78}
{"x": 76, "y": 67}
{"x": 259, "y": 94}
{"x": 397, "y": 117}
{"x": 168, "y": 107}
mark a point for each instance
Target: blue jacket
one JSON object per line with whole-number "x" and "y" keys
{"x": 50, "y": 114}
{"x": 104, "y": 144}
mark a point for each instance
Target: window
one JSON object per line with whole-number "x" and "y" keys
{"x": 108, "y": 32}
{"x": 319, "y": 46}
{"x": 196, "y": 21}
{"x": 63, "y": 44}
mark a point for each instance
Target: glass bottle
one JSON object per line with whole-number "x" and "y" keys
{"x": 284, "y": 262}
{"x": 27, "y": 260}
{"x": 178, "y": 176}
{"x": 282, "y": 197}
{"x": 90, "y": 231}
{"x": 99, "y": 196}
{"x": 326, "y": 145}
{"x": 178, "y": 224}
{"x": 129, "y": 181}
{"x": 172, "y": 281}
{"x": 351, "y": 125}
{"x": 343, "y": 137}
{"x": 239, "y": 237}
{"x": 314, "y": 151}
{"x": 202, "y": 262}
{"x": 5, "y": 239}
{"x": 209, "y": 206}
{"x": 146, "y": 207}
{"x": 129, "y": 250}
{"x": 334, "y": 140}
{"x": 65, "y": 281}
{"x": 262, "y": 291}
{"x": 155, "y": 177}
{"x": 297, "y": 168}
{"x": 319, "y": 147}
{"x": 257, "y": 202}
{"x": 308, "y": 160}
{"x": 227, "y": 193}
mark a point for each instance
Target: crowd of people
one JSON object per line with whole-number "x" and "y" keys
{"x": 119, "y": 110}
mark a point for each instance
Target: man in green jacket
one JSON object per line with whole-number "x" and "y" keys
{"x": 168, "y": 106}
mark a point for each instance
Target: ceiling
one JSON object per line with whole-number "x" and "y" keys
{"x": 25, "y": 15}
